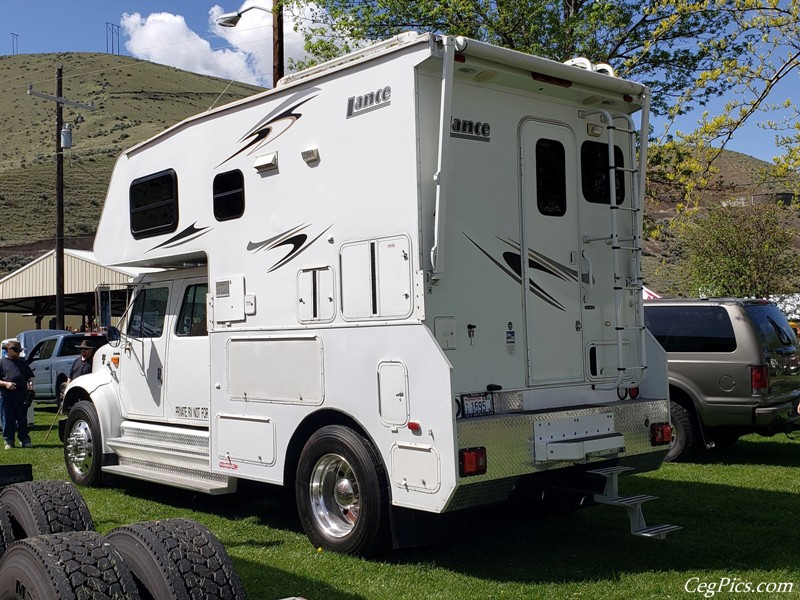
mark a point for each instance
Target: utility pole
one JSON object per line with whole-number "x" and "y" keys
{"x": 277, "y": 41}
{"x": 60, "y": 102}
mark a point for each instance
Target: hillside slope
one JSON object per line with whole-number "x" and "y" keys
{"x": 133, "y": 100}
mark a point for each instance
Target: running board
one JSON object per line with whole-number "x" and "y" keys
{"x": 205, "y": 483}
{"x": 631, "y": 504}
{"x": 174, "y": 456}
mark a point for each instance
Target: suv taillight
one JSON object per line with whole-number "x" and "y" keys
{"x": 759, "y": 380}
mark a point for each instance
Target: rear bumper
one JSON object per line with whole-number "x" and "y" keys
{"x": 516, "y": 447}
{"x": 780, "y": 417}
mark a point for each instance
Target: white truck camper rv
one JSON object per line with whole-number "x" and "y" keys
{"x": 404, "y": 282}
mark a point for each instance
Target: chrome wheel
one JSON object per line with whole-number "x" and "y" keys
{"x": 79, "y": 448}
{"x": 334, "y": 495}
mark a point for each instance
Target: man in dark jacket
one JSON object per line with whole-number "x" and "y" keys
{"x": 16, "y": 378}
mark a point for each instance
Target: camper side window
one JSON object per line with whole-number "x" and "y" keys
{"x": 154, "y": 204}
{"x": 147, "y": 315}
{"x": 594, "y": 173}
{"x": 192, "y": 319}
{"x": 551, "y": 178}
{"x": 228, "y": 195}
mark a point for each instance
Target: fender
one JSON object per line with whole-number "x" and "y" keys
{"x": 102, "y": 389}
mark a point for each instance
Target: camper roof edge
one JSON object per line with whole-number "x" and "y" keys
{"x": 529, "y": 62}
{"x": 402, "y": 39}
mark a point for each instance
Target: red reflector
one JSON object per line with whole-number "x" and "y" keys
{"x": 759, "y": 380}
{"x": 627, "y": 98}
{"x": 550, "y": 79}
{"x": 460, "y": 58}
{"x": 472, "y": 461}
{"x": 660, "y": 434}
{"x": 414, "y": 426}
{"x": 634, "y": 392}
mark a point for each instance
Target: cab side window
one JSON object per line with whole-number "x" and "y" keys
{"x": 192, "y": 319}
{"x": 146, "y": 318}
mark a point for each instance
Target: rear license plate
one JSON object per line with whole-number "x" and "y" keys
{"x": 476, "y": 405}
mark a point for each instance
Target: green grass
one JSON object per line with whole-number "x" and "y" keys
{"x": 739, "y": 508}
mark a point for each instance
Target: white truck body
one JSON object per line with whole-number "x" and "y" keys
{"x": 416, "y": 242}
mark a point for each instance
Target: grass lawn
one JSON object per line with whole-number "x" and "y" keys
{"x": 739, "y": 509}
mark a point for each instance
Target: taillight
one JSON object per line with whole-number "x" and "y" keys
{"x": 472, "y": 461}
{"x": 634, "y": 392}
{"x": 660, "y": 434}
{"x": 759, "y": 380}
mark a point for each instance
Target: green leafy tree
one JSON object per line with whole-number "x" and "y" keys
{"x": 738, "y": 251}
{"x": 627, "y": 34}
{"x": 758, "y": 62}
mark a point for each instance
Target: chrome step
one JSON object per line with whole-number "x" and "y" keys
{"x": 631, "y": 504}
{"x": 197, "y": 481}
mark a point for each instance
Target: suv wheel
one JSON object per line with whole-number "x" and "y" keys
{"x": 684, "y": 434}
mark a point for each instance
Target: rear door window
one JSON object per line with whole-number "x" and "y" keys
{"x": 772, "y": 326}
{"x": 691, "y": 328}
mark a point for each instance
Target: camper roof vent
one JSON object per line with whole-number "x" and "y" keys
{"x": 587, "y": 65}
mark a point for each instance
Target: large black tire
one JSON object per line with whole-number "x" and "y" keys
{"x": 41, "y": 507}
{"x": 177, "y": 559}
{"x": 67, "y": 566}
{"x": 6, "y": 530}
{"x": 684, "y": 434}
{"x": 341, "y": 492}
{"x": 83, "y": 445}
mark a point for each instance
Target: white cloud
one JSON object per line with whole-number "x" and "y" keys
{"x": 165, "y": 38}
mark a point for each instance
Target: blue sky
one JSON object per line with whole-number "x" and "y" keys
{"x": 183, "y": 34}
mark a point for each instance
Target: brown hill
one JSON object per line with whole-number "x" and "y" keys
{"x": 133, "y": 100}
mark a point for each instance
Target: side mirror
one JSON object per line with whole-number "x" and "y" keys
{"x": 114, "y": 336}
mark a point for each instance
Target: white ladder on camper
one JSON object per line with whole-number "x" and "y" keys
{"x": 632, "y": 504}
{"x": 617, "y": 248}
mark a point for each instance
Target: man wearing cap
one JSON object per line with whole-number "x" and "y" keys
{"x": 16, "y": 379}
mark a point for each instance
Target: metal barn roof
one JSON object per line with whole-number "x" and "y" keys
{"x": 32, "y": 288}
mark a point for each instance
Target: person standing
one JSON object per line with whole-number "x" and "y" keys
{"x": 16, "y": 379}
{"x": 83, "y": 364}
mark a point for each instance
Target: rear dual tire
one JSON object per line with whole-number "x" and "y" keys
{"x": 341, "y": 493}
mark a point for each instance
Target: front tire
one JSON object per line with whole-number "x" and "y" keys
{"x": 341, "y": 493}
{"x": 83, "y": 445}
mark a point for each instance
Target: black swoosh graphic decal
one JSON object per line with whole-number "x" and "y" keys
{"x": 292, "y": 237}
{"x": 188, "y": 234}
{"x": 514, "y": 270}
{"x": 261, "y": 134}
{"x": 266, "y": 243}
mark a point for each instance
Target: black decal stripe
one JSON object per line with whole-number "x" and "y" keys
{"x": 262, "y": 131}
{"x": 508, "y": 272}
{"x": 533, "y": 287}
{"x": 538, "y": 291}
{"x": 564, "y": 271}
{"x": 543, "y": 263}
{"x": 184, "y": 236}
{"x": 293, "y": 255}
{"x": 257, "y": 246}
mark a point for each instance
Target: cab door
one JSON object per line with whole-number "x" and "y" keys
{"x": 142, "y": 351}
{"x": 187, "y": 381}
{"x": 550, "y": 259}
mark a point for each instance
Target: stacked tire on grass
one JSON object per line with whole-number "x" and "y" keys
{"x": 49, "y": 549}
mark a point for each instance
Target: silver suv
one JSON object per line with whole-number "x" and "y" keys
{"x": 734, "y": 368}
